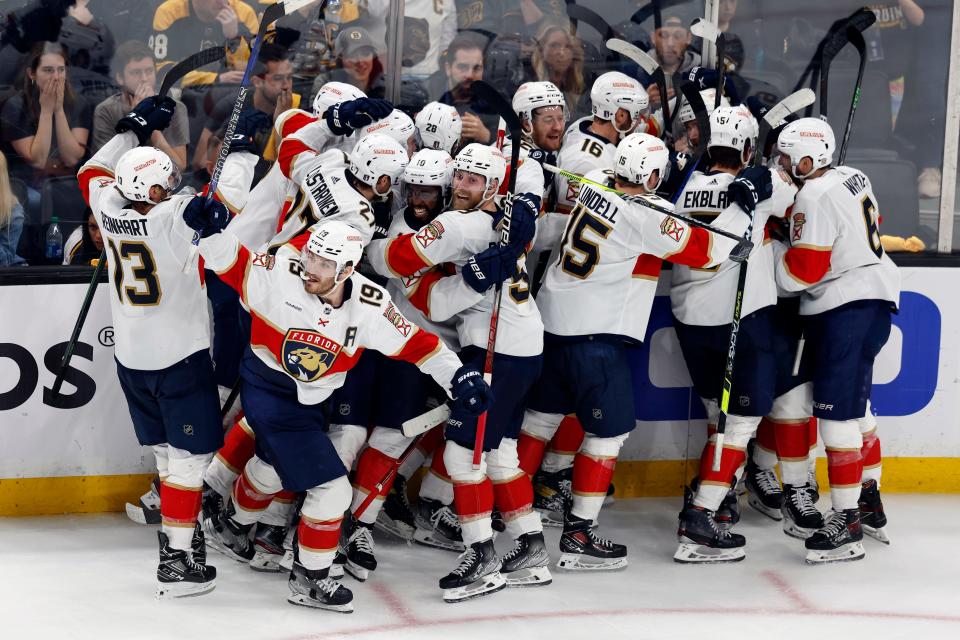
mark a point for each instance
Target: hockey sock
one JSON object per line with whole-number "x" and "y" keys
{"x": 793, "y": 448}
{"x": 237, "y": 449}
{"x": 428, "y": 443}
{"x": 592, "y": 472}
{"x": 870, "y": 451}
{"x": 160, "y": 453}
{"x": 715, "y": 484}
{"x": 564, "y": 446}
{"x": 812, "y": 459}
{"x": 538, "y": 429}
{"x": 280, "y": 509}
{"x": 437, "y": 484}
{"x": 472, "y": 493}
{"x": 765, "y": 449}
{"x": 320, "y": 520}
{"x": 181, "y": 494}
{"x": 512, "y": 490}
{"x": 254, "y": 490}
{"x": 843, "y": 442}
{"x": 347, "y": 440}
{"x": 372, "y": 466}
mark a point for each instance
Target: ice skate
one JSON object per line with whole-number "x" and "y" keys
{"x": 801, "y": 518}
{"x": 314, "y": 588}
{"x": 337, "y": 569}
{"x": 552, "y": 495}
{"x": 583, "y": 550}
{"x": 840, "y": 539}
{"x": 289, "y": 543}
{"x": 228, "y": 536}
{"x": 396, "y": 517}
{"x": 478, "y": 574}
{"x": 703, "y": 540}
{"x": 198, "y": 545}
{"x": 814, "y": 485}
{"x": 526, "y": 565}
{"x": 360, "y": 546}
{"x": 268, "y": 547}
{"x": 437, "y": 526}
{"x": 211, "y": 503}
{"x": 147, "y": 510}
{"x": 872, "y": 518}
{"x": 763, "y": 491}
{"x": 729, "y": 512}
{"x": 178, "y": 575}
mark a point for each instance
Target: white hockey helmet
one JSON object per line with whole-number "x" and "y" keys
{"x": 733, "y": 127}
{"x": 807, "y": 137}
{"x": 613, "y": 91}
{"x": 530, "y": 96}
{"x": 439, "y": 126}
{"x": 398, "y": 126}
{"x": 484, "y": 161}
{"x": 429, "y": 167}
{"x": 334, "y": 93}
{"x": 709, "y": 97}
{"x": 143, "y": 167}
{"x": 378, "y": 155}
{"x": 638, "y": 156}
{"x": 333, "y": 240}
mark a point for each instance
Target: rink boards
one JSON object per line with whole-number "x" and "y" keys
{"x": 76, "y": 452}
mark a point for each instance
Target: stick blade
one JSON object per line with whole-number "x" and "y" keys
{"x": 635, "y": 53}
{"x": 705, "y": 29}
{"x": 289, "y": 6}
{"x": 420, "y": 424}
{"x": 188, "y": 64}
{"x": 692, "y": 95}
{"x": 791, "y": 104}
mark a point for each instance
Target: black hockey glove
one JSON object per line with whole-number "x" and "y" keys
{"x": 706, "y": 78}
{"x": 752, "y": 186}
{"x": 250, "y": 123}
{"x": 542, "y": 157}
{"x": 206, "y": 216}
{"x": 471, "y": 395}
{"x": 151, "y": 114}
{"x": 489, "y": 268}
{"x": 348, "y": 116}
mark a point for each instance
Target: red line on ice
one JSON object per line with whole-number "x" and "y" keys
{"x": 784, "y": 587}
{"x": 395, "y": 604}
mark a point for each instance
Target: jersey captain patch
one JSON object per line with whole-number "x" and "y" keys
{"x": 307, "y": 355}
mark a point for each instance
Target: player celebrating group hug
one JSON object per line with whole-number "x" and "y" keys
{"x": 375, "y": 247}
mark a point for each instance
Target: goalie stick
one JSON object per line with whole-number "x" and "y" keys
{"x": 651, "y": 67}
{"x": 182, "y": 68}
{"x": 791, "y": 104}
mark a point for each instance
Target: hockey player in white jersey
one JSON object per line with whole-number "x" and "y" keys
{"x": 161, "y": 326}
{"x": 609, "y": 262}
{"x": 702, "y": 302}
{"x": 312, "y": 317}
{"x": 849, "y": 288}
{"x": 398, "y": 126}
{"x": 440, "y": 127}
{"x": 689, "y": 120}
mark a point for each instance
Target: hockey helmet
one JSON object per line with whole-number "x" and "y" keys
{"x": 638, "y": 156}
{"x": 377, "y": 155}
{"x": 733, "y": 127}
{"x": 485, "y": 161}
{"x": 439, "y": 126}
{"x": 807, "y": 137}
{"x": 143, "y": 167}
{"x": 613, "y": 91}
{"x": 332, "y": 240}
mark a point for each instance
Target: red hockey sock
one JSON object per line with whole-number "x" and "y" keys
{"x": 569, "y": 436}
{"x": 179, "y": 505}
{"x": 870, "y": 451}
{"x": 238, "y": 445}
{"x": 530, "y": 450}
{"x": 793, "y": 440}
{"x": 473, "y": 500}
{"x": 730, "y": 460}
{"x": 372, "y": 466}
{"x": 813, "y": 432}
{"x": 436, "y": 464}
{"x": 766, "y": 435}
{"x": 592, "y": 475}
{"x": 319, "y": 536}
{"x": 513, "y": 497}
{"x": 844, "y": 467}
{"x": 247, "y": 497}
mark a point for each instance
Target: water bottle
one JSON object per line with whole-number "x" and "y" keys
{"x": 332, "y": 12}
{"x": 54, "y": 244}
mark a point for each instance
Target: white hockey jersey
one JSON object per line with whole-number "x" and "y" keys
{"x": 159, "y": 312}
{"x": 453, "y": 237}
{"x": 605, "y": 276}
{"x": 582, "y": 152}
{"x": 304, "y": 340}
{"x": 705, "y": 297}
{"x": 835, "y": 255}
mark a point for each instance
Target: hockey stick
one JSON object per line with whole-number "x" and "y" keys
{"x": 650, "y": 67}
{"x": 425, "y": 421}
{"x": 504, "y": 108}
{"x": 578, "y": 12}
{"x": 272, "y": 13}
{"x": 711, "y": 32}
{"x": 856, "y": 39}
{"x": 391, "y": 472}
{"x": 176, "y": 72}
{"x": 692, "y": 96}
{"x": 791, "y": 104}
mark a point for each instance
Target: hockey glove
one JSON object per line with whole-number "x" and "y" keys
{"x": 471, "y": 394}
{"x": 348, "y": 116}
{"x": 249, "y": 124}
{"x": 752, "y": 186}
{"x": 206, "y": 216}
{"x": 489, "y": 268}
{"x": 523, "y": 221}
{"x": 707, "y": 79}
{"x": 542, "y": 157}
{"x": 151, "y": 114}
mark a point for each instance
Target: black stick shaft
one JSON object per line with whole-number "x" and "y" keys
{"x": 81, "y": 318}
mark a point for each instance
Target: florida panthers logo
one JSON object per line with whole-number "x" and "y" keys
{"x": 307, "y": 355}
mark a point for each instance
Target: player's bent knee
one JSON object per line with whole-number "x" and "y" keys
{"x": 390, "y": 442}
{"x": 607, "y": 447}
{"x": 739, "y": 430}
{"x": 868, "y": 422}
{"x": 503, "y": 463}
{"x": 796, "y": 404}
{"x": 329, "y": 500}
{"x": 541, "y": 425}
{"x": 841, "y": 434}
{"x": 459, "y": 463}
{"x": 713, "y": 410}
{"x": 262, "y": 476}
{"x": 186, "y": 469}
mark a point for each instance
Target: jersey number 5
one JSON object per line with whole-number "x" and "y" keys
{"x": 870, "y": 220}
{"x": 579, "y": 255}
{"x": 146, "y": 292}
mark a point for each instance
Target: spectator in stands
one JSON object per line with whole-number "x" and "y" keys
{"x": 11, "y": 220}
{"x": 672, "y": 50}
{"x": 134, "y": 70}
{"x": 358, "y": 63}
{"x": 272, "y": 95}
{"x": 46, "y": 124}
{"x": 87, "y": 38}
{"x": 183, "y": 27}
{"x": 428, "y": 28}
{"x": 558, "y": 57}
{"x": 85, "y": 244}
{"x": 462, "y": 67}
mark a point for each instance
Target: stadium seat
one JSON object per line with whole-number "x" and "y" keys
{"x": 61, "y": 197}
{"x": 895, "y": 185}
{"x": 873, "y": 124}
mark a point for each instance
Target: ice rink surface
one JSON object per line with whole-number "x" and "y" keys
{"x": 92, "y": 576}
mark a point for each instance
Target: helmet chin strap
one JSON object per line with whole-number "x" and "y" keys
{"x": 336, "y": 283}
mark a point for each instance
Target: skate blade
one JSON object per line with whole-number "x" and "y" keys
{"x": 847, "y": 553}
{"x": 286, "y": 564}
{"x": 757, "y": 504}
{"x": 393, "y": 527}
{"x": 360, "y": 574}
{"x": 267, "y": 562}
{"x": 142, "y": 515}
{"x": 793, "y": 530}
{"x": 166, "y": 591}
{"x": 213, "y": 540}
{"x": 553, "y": 519}
{"x": 695, "y": 553}
{"x": 880, "y": 535}
{"x": 303, "y": 600}
{"x": 486, "y": 585}
{"x": 529, "y": 577}
{"x": 579, "y": 562}
{"x": 428, "y": 538}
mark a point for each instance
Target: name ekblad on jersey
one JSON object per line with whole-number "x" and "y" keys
{"x": 705, "y": 199}
{"x": 672, "y": 229}
{"x": 264, "y": 260}
{"x": 320, "y": 195}
{"x": 122, "y": 225}
{"x": 306, "y": 355}
{"x": 397, "y": 320}
{"x": 799, "y": 219}
{"x": 429, "y": 234}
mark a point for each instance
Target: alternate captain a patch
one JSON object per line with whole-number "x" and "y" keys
{"x": 307, "y": 355}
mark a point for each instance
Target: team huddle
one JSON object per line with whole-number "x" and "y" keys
{"x": 385, "y": 272}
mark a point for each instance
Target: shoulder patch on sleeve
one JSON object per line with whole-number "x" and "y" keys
{"x": 798, "y": 220}
{"x": 264, "y": 260}
{"x": 394, "y": 317}
{"x": 672, "y": 229}
{"x": 429, "y": 234}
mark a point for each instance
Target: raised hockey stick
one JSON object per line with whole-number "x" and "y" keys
{"x": 505, "y": 110}
{"x": 425, "y": 421}
{"x": 791, "y": 104}
{"x": 711, "y": 32}
{"x": 856, "y": 39}
{"x": 692, "y": 96}
{"x": 176, "y": 72}
{"x": 272, "y": 13}
{"x": 651, "y": 67}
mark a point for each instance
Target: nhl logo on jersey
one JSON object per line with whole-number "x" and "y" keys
{"x": 430, "y": 233}
{"x": 307, "y": 355}
{"x": 798, "y": 221}
{"x": 672, "y": 229}
{"x": 344, "y": 409}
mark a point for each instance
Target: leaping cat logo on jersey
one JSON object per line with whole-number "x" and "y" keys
{"x": 307, "y": 355}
